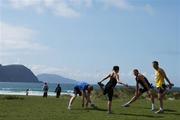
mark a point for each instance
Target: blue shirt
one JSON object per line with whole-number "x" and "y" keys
{"x": 82, "y": 86}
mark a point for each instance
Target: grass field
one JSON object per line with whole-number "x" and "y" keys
{"x": 37, "y": 108}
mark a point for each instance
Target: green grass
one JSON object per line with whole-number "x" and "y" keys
{"x": 37, "y": 108}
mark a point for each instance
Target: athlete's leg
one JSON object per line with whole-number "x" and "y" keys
{"x": 101, "y": 86}
{"x": 150, "y": 94}
{"x": 109, "y": 106}
{"x": 88, "y": 100}
{"x": 71, "y": 101}
{"x": 110, "y": 95}
{"x": 133, "y": 99}
{"x": 160, "y": 97}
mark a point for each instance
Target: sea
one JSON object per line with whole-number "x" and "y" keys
{"x": 35, "y": 89}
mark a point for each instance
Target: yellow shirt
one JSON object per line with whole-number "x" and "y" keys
{"x": 159, "y": 77}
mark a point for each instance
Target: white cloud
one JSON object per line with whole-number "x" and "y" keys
{"x": 19, "y": 4}
{"x": 85, "y": 3}
{"x": 49, "y": 3}
{"x": 64, "y": 10}
{"x": 120, "y": 4}
{"x": 91, "y": 77}
{"x": 13, "y": 38}
{"x": 73, "y": 8}
{"x": 128, "y": 6}
{"x": 67, "y": 72}
{"x": 56, "y": 7}
{"x": 149, "y": 9}
{"x": 88, "y": 3}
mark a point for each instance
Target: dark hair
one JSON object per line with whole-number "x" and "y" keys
{"x": 116, "y": 68}
{"x": 155, "y": 62}
{"x": 135, "y": 70}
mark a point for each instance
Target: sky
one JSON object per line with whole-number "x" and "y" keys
{"x": 84, "y": 39}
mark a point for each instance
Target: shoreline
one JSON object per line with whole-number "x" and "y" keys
{"x": 33, "y": 93}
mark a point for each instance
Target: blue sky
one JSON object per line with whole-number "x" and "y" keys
{"x": 83, "y": 39}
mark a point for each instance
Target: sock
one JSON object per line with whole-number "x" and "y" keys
{"x": 161, "y": 108}
{"x": 69, "y": 105}
{"x": 127, "y": 103}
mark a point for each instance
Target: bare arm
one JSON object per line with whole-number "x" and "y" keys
{"x": 105, "y": 78}
{"x": 137, "y": 88}
{"x": 167, "y": 79}
{"x": 119, "y": 82}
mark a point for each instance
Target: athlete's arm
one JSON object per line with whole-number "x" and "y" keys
{"x": 105, "y": 78}
{"x": 119, "y": 82}
{"x": 137, "y": 88}
{"x": 141, "y": 77}
{"x": 164, "y": 74}
{"x": 167, "y": 79}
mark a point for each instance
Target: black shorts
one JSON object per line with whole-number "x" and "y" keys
{"x": 109, "y": 90}
{"x": 143, "y": 90}
{"x": 161, "y": 89}
{"x": 77, "y": 91}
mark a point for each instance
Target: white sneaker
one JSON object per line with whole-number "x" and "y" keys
{"x": 125, "y": 105}
{"x": 69, "y": 107}
{"x": 159, "y": 111}
{"x": 109, "y": 112}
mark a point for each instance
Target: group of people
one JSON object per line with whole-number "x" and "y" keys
{"x": 46, "y": 88}
{"x": 142, "y": 86}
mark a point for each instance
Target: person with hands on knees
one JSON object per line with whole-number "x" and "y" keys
{"x": 82, "y": 89}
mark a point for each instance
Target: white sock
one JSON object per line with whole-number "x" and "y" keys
{"x": 69, "y": 105}
{"x": 161, "y": 108}
{"x": 127, "y": 103}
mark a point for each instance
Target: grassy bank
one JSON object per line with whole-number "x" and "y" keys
{"x": 37, "y": 108}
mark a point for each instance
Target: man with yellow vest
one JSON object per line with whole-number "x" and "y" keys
{"x": 160, "y": 77}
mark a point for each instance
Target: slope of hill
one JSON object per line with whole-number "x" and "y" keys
{"x": 16, "y": 73}
{"x": 53, "y": 78}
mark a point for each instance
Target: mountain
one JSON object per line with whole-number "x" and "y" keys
{"x": 53, "y": 78}
{"x": 16, "y": 73}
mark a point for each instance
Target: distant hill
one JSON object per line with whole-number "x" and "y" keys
{"x": 53, "y": 78}
{"x": 16, "y": 73}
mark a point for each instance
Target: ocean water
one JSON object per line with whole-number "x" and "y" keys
{"x": 35, "y": 89}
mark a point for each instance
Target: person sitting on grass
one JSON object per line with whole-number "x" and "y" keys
{"x": 58, "y": 91}
{"x": 160, "y": 75}
{"x": 82, "y": 89}
{"x": 109, "y": 87}
{"x": 142, "y": 86}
